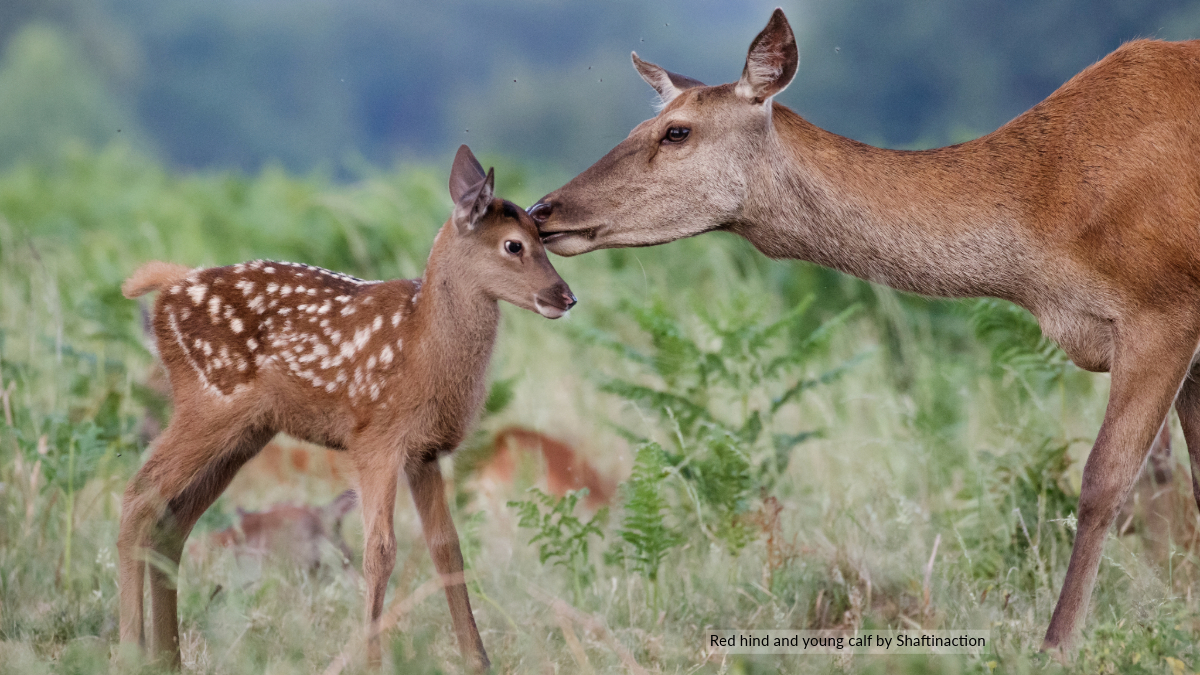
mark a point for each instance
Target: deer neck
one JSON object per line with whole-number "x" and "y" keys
{"x": 458, "y": 320}
{"x": 938, "y": 222}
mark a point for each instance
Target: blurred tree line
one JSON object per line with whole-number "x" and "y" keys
{"x": 336, "y": 83}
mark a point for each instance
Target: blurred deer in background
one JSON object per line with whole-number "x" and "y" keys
{"x": 294, "y": 532}
{"x": 566, "y": 470}
{"x": 391, "y": 372}
{"x": 1084, "y": 210}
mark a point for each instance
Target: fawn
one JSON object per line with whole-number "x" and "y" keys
{"x": 296, "y": 532}
{"x": 391, "y": 372}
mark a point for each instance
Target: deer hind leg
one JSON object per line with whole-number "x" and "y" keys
{"x": 174, "y": 526}
{"x": 1148, "y": 367}
{"x": 191, "y": 465}
{"x": 378, "y": 477}
{"x": 1188, "y": 407}
{"x": 428, "y": 491}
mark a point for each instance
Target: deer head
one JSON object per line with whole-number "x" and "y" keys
{"x": 499, "y": 243}
{"x": 687, "y": 170}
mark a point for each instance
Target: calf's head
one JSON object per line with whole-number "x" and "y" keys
{"x": 498, "y": 243}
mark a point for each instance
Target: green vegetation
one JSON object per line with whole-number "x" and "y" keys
{"x": 806, "y": 451}
{"x": 326, "y": 83}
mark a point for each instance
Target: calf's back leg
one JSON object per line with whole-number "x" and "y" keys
{"x": 191, "y": 464}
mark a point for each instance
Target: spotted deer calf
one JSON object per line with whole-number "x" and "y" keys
{"x": 391, "y": 372}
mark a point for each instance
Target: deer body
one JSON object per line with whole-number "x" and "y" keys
{"x": 1085, "y": 210}
{"x": 392, "y": 372}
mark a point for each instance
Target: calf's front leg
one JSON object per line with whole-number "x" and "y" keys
{"x": 377, "y": 487}
{"x": 429, "y": 494}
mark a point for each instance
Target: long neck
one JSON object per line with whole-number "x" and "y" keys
{"x": 458, "y": 321}
{"x": 939, "y": 222}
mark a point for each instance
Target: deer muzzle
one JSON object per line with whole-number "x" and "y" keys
{"x": 555, "y": 302}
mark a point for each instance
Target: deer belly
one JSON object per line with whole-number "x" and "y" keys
{"x": 1087, "y": 340}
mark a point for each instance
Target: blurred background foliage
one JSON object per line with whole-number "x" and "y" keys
{"x": 329, "y": 83}
{"x": 795, "y": 462}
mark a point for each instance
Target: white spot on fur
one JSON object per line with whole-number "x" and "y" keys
{"x": 197, "y": 292}
{"x": 252, "y": 344}
{"x": 236, "y": 325}
{"x": 386, "y": 355}
{"x": 361, "y": 336}
{"x": 395, "y": 319}
{"x": 272, "y": 287}
{"x": 188, "y": 355}
{"x": 214, "y": 308}
{"x": 377, "y": 323}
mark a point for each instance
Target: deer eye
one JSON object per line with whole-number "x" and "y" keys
{"x": 677, "y": 134}
{"x": 513, "y": 247}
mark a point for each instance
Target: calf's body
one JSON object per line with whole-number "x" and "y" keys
{"x": 392, "y": 372}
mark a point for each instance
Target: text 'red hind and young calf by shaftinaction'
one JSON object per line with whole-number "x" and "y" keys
{"x": 392, "y": 372}
{"x": 1085, "y": 210}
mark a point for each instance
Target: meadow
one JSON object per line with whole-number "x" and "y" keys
{"x": 798, "y": 450}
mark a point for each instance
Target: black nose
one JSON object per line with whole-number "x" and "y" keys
{"x": 540, "y": 212}
{"x": 571, "y": 299}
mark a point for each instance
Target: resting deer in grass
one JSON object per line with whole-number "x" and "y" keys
{"x": 391, "y": 372}
{"x": 1085, "y": 210}
{"x": 295, "y": 532}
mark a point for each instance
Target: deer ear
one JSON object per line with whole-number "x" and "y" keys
{"x": 771, "y": 62}
{"x": 465, "y": 174}
{"x": 667, "y": 84}
{"x": 474, "y": 202}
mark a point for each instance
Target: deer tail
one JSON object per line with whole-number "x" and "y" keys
{"x": 152, "y": 277}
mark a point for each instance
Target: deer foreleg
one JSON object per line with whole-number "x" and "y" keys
{"x": 1148, "y": 367}
{"x": 428, "y": 491}
{"x": 377, "y": 488}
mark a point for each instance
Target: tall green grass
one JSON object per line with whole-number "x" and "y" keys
{"x": 906, "y": 463}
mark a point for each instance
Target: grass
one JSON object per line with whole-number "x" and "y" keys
{"x": 812, "y": 494}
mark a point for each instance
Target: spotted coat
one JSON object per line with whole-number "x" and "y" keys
{"x": 337, "y": 333}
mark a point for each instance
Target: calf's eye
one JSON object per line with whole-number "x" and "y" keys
{"x": 513, "y": 247}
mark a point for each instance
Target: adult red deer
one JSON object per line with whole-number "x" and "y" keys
{"x": 1085, "y": 210}
{"x": 391, "y": 372}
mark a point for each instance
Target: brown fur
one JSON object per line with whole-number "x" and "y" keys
{"x": 151, "y": 277}
{"x": 392, "y": 372}
{"x": 1085, "y": 210}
